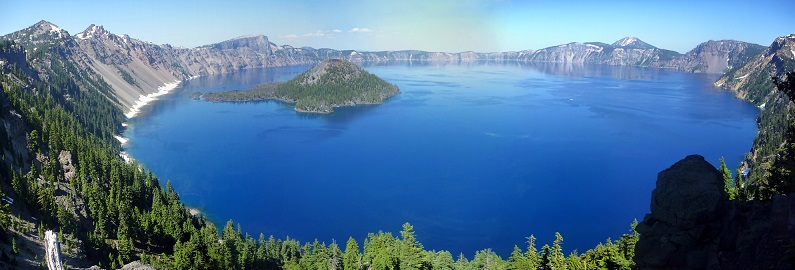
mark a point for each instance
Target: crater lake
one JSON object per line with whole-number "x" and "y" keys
{"x": 474, "y": 156}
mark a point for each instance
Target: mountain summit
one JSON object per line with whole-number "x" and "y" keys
{"x": 632, "y": 43}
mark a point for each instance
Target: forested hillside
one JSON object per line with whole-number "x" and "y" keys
{"x": 752, "y": 81}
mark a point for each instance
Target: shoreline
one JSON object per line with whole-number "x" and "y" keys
{"x": 121, "y": 139}
{"x": 144, "y": 100}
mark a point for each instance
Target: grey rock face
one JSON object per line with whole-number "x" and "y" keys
{"x": 136, "y": 265}
{"x": 680, "y": 232}
{"x": 693, "y": 224}
{"x": 688, "y": 192}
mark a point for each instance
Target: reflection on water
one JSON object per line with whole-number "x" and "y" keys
{"x": 557, "y": 69}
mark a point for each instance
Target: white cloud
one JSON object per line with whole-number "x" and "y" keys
{"x": 360, "y": 30}
{"x": 288, "y": 36}
{"x": 336, "y": 30}
{"x": 327, "y": 34}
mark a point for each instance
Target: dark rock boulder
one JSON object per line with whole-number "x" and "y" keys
{"x": 694, "y": 225}
{"x": 682, "y": 230}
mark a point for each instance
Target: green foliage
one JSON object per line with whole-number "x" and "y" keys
{"x": 352, "y": 260}
{"x": 728, "y": 181}
{"x": 127, "y": 77}
{"x": 616, "y": 254}
{"x": 781, "y": 179}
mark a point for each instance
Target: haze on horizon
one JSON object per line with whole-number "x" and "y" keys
{"x": 444, "y": 25}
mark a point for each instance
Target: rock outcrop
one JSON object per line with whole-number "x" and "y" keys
{"x": 694, "y": 225}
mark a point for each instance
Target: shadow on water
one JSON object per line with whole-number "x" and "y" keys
{"x": 341, "y": 115}
{"x": 591, "y": 70}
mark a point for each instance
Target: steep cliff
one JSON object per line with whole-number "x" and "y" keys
{"x": 751, "y": 81}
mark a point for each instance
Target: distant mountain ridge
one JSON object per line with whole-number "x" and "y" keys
{"x": 136, "y": 68}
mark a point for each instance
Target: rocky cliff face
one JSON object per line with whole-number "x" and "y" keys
{"x": 771, "y": 61}
{"x": 628, "y": 51}
{"x": 717, "y": 56}
{"x": 136, "y": 68}
{"x": 694, "y": 225}
{"x": 751, "y": 81}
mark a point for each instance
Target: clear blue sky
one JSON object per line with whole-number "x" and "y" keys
{"x": 432, "y": 25}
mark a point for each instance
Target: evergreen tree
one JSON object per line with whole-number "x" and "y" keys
{"x": 728, "y": 181}
{"x": 556, "y": 257}
{"x": 518, "y": 260}
{"x": 533, "y": 258}
{"x": 443, "y": 261}
{"x": 410, "y": 249}
{"x": 351, "y": 258}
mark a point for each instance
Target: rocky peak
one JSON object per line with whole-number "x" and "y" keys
{"x": 258, "y": 43}
{"x": 336, "y": 68}
{"x": 42, "y": 31}
{"x": 632, "y": 43}
{"x": 91, "y": 31}
{"x": 784, "y": 46}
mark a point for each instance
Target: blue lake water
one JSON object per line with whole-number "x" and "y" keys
{"x": 474, "y": 156}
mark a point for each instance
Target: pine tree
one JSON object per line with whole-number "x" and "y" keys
{"x": 533, "y": 258}
{"x": 556, "y": 257}
{"x": 443, "y": 261}
{"x": 728, "y": 181}
{"x": 517, "y": 260}
{"x": 351, "y": 260}
{"x": 410, "y": 249}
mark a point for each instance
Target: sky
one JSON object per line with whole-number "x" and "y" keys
{"x": 430, "y": 25}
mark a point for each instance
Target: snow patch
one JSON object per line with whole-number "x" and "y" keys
{"x": 54, "y": 28}
{"x": 626, "y": 41}
{"x": 143, "y": 100}
{"x": 121, "y": 139}
{"x": 126, "y": 157}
